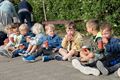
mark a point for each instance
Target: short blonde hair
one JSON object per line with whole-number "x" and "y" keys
{"x": 49, "y": 26}
{"x": 37, "y": 28}
{"x": 93, "y": 23}
{"x": 23, "y": 27}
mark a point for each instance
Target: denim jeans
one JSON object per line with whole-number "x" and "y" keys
{"x": 16, "y": 53}
{"x": 43, "y": 51}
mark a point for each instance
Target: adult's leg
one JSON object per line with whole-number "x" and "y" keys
{"x": 21, "y": 17}
{"x": 28, "y": 19}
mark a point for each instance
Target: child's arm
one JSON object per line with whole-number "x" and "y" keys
{"x": 86, "y": 56}
{"x": 113, "y": 48}
{"x": 64, "y": 42}
{"x": 78, "y": 42}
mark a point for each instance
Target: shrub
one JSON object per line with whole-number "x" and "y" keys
{"x": 104, "y": 10}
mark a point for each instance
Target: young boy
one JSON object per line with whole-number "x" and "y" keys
{"x": 24, "y": 31}
{"x": 71, "y": 43}
{"x": 112, "y": 47}
{"x": 50, "y": 46}
{"x": 13, "y": 40}
{"x": 92, "y": 54}
{"x": 94, "y": 49}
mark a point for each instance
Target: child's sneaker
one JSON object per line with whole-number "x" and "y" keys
{"x": 58, "y": 57}
{"x": 118, "y": 72}
{"x": 29, "y": 58}
{"x": 24, "y": 54}
{"x": 46, "y": 58}
{"x": 102, "y": 68}
{"x": 5, "y": 53}
{"x": 85, "y": 69}
{"x": 21, "y": 54}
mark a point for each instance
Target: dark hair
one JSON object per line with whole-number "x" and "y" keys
{"x": 70, "y": 25}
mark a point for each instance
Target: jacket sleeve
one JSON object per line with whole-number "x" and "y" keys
{"x": 113, "y": 48}
{"x": 78, "y": 42}
{"x": 64, "y": 43}
{"x": 59, "y": 42}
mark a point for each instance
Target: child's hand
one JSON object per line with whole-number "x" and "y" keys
{"x": 45, "y": 44}
{"x": 104, "y": 40}
{"x": 85, "y": 51}
{"x": 12, "y": 39}
{"x": 55, "y": 50}
{"x": 6, "y": 41}
{"x": 28, "y": 38}
{"x": 21, "y": 46}
{"x": 69, "y": 37}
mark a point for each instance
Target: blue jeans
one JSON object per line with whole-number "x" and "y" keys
{"x": 16, "y": 53}
{"x": 43, "y": 51}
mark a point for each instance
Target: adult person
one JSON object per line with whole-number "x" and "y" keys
{"x": 24, "y": 12}
{"x": 7, "y": 12}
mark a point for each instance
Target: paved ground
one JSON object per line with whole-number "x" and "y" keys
{"x": 16, "y": 69}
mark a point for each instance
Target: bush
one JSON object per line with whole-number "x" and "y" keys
{"x": 104, "y": 10}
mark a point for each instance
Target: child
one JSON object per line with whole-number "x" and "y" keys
{"x": 17, "y": 37}
{"x": 14, "y": 38}
{"x": 112, "y": 47}
{"x": 34, "y": 41}
{"x": 50, "y": 46}
{"x": 87, "y": 55}
{"x": 95, "y": 46}
{"x": 24, "y": 31}
{"x": 71, "y": 43}
{"x": 10, "y": 34}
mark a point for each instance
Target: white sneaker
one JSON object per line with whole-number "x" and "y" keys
{"x": 102, "y": 68}
{"x": 118, "y": 72}
{"x": 85, "y": 69}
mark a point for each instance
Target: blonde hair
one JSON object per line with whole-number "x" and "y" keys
{"x": 37, "y": 28}
{"x": 23, "y": 27}
{"x": 49, "y": 26}
{"x": 93, "y": 23}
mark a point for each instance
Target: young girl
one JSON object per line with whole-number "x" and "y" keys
{"x": 34, "y": 42}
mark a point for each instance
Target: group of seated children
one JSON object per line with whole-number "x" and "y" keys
{"x": 101, "y": 54}
{"x": 105, "y": 58}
